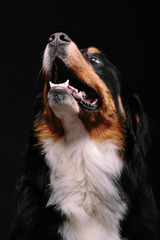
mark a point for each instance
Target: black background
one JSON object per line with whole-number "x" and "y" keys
{"x": 126, "y": 31}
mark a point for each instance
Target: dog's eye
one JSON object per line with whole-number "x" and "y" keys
{"x": 95, "y": 59}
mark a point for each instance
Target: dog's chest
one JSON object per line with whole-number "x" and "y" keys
{"x": 82, "y": 187}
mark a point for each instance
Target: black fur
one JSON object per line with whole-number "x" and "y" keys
{"x": 33, "y": 221}
{"x": 141, "y": 221}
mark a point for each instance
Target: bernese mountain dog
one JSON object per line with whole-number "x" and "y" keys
{"x": 85, "y": 174}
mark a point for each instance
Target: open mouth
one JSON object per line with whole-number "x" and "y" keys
{"x": 64, "y": 78}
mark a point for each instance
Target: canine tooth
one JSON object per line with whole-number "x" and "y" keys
{"x": 66, "y": 83}
{"x": 51, "y": 84}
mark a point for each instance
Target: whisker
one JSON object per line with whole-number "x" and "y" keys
{"x": 36, "y": 82}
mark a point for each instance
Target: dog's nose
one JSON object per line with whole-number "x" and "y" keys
{"x": 59, "y": 38}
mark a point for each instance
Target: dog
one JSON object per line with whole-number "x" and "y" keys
{"x": 85, "y": 176}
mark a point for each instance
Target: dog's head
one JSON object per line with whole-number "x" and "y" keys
{"x": 86, "y": 84}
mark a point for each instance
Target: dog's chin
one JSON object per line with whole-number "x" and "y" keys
{"x": 62, "y": 102}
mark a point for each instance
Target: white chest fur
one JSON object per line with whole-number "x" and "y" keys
{"x": 82, "y": 173}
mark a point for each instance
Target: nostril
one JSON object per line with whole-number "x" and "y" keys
{"x": 59, "y": 38}
{"x": 52, "y": 37}
{"x": 64, "y": 38}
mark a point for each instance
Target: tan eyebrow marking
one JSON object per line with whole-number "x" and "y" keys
{"x": 93, "y": 50}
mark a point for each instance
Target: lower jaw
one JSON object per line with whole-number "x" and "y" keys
{"x": 59, "y": 93}
{"x": 87, "y": 106}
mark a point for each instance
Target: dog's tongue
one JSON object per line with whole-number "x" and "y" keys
{"x": 75, "y": 92}
{"x": 72, "y": 88}
{"x": 80, "y": 96}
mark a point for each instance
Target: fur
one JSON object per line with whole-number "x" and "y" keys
{"x": 85, "y": 175}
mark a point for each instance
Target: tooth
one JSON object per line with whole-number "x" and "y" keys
{"x": 51, "y": 84}
{"x": 82, "y": 94}
{"x": 66, "y": 83}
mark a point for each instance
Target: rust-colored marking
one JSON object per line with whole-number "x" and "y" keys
{"x": 49, "y": 126}
{"x": 94, "y": 50}
{"x": 103, "y": 123}
{"x": 137, "y": 119}
{"x": 121, "y": 106}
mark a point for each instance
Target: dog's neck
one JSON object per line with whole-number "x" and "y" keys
{"x": 81, "y": 180}
{"x": 74, "y": 129}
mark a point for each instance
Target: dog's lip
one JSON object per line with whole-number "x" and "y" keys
{"x": 79, "y": 96}
{"x": 85, "y": 95}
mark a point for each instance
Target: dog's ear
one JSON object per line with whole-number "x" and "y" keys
{"x": 137, "y": 123}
